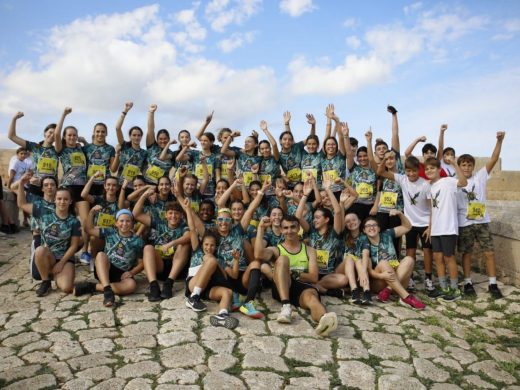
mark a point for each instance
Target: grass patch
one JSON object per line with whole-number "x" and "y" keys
{"x": 432, "y": 320}
{"x": 475, "y": 335}
{"x": 440, "y": 341}
{"x": 509, "y": 367}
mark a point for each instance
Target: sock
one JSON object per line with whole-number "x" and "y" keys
{"x": 107, "y": 288}
{"x": 285, "y": 302}
{"x": 492, "y": 280}
{"x": 454, "y": 283}
{"x": 467, "y": 281}
{"x": 155, "y": 283}
{"x": 196, "y": 291}
{"x": 170, "y": 281}
{"x": 223, "y": 311}
{"x": 254, "y": 284}
{"x": 442, "y": 282}
{"x": 429, "y": 276}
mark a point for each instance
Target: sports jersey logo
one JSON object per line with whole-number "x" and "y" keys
{"x": 471, "y": 195}
{"x": 435, "y": 200}
{"x": 413, "y": 199}
{"x": 120, "y": 251}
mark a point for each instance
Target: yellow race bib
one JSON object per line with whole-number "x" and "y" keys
{"x": 322, "y": 256}
{"x": 330, "y": 175}
{"x": 364, "y": 190}
{"x": 265, "y": 178}
{"x": 130, "y": 172}
{"x": 254, "y": 223}
{"x": 388, "y": 200}
{"x": 224, "y": 171}
{"x": 168, "y": 253}
{"x": 294, "y": 175}
{"x": 476, "y": 210}
{"x": 106, "y": 220}
{"x": 47, "y": 166}
{"x": 154, "y": 173}
{"x": 194, "y": 206}
{"x": 313, "y": 172}
{"x": 162, "y": 215}
{"x": 394, "y": 263}
{"x": 200, "y": 173}
{"x": 77, "y": 159}
{"x": 248, "y": 178}
{"x": 92, "y": 169}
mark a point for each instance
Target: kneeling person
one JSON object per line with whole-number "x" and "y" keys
{"x": 295, "y": 272}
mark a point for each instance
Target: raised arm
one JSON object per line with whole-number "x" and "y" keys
{"x": 409, "y": 150}
{"x": 194, "y": 236}
{"x": 329, "y": 113}
{"x": 396, "y": 145}
{"x": 307, "y": 189}
{"x": 20, "y": 199}
{"x": 382, "y": 172}
{"x": 150, "y": 133}
{"x": 58, "y": 145}
{"x": 348, "y": 148}
{"x": 12, "y": 131}
{"x": 287, "y": 121}
{"x": 370, "y": 152}
{"x": 205, "y": 174}
{"x": 205, "y": 125}
{"x": 122, "y": 203}
{"x": 260, "y": 252}
{"x": 496, "y": 152}
{"x": 311, "y": 121}
{"x": 85, "y": 193}
{"x": 272, "y": 141}
{"x": 165, "y": 152}
{"x": 114, "y": 165}
{"x": 462, "y": 181}
{"x": 221, "y": 203}
{"x": 339, "y": 215}
{"x": 347, "y": 198}
{"x": 138, "y": 211}
{"x": 405, "y": 226}
{"x": 119, "y": 123}
{"x": 248, "y": 215}
{"x": 225, "y": 147}
{"x": 441, "y": 141}
{"x": 89, "y": 222}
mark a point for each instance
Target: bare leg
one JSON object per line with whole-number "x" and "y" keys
{"x": 333, "y": 280}
{"x": 466, "y": 264}
{"x": 152, "y": 263}
{"x": 282, "y": 277}
{"x": 82, "y": 209}
{"x": 96, "y": 245}
{"x": 309, "y": 300}
{"x": 490, "y": 263}
{"x": 180, "y": 259}
{"x": 204, "y": 273}
{"x": 65, "y": 279}
{"x": 44, "y": 260}
{"x": 222, "y": 295}
{"x": 404, "y": 271}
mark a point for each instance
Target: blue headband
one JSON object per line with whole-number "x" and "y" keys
{"x": 123, "y": 212}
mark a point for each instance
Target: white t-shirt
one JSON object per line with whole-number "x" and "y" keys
{"x": 443, "y": 194}
{"x": 19, "y": 167}
{"x": 449, "y": 169}
{"x": 471, "y": 200}
{"x": 416, "y": 204}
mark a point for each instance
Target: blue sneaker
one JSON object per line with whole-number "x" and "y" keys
{"x": 235, "y": 303}
{"x": 85, "y": 258}
{"x": 249, "y": 309}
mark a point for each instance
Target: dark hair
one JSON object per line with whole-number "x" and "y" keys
{"x": 274, "y": 208}
{"x": 65, "y": 132}
{"x": 314, "y": 137}
{"x": 222, "y": 131}
{"x": 71, "y": 206}
{"x": 290, "y": 218}
{"x": 21, "y": 150}
{"x": 173, "y": 205}
{"x": 448, "y": 149}
{"x": 264, "y": 142}
{"x": 162, "y": 131}
{"x": 468, "y": 158}
{"x": 51, "y": 178}
{"x": 433, "y": 161}
{"x": 223, "y": 181}
{"x": 361, "y": 149}
{"x": 238, "y": 201}
{"x": 370, "y": 218}
{"x": 208, "y": 201}
{"x": 284, "y": 133}
{"x": 109, "y": 177}
{"x": 183, "y": 131}
{"x": 412, "y": 162}
{"x": 165, "y": 177}
{"x": 327, "y": 214}
{"x": 255, "y": 138}
{"x": 429, "y": 148}
{"x": 102, "y": 125}
{"x": 210, "y": 136}
{"x": 255, "y": 182}
{"x": 129, "y": 143}
{"x": 353, "y": 142}
{"x": 335, "y": 142}
{"x": 49, "y": 126}
{"x": 380, "y": 142}
{"x": 209, "y": 234}
{"x": 139, "y": 177}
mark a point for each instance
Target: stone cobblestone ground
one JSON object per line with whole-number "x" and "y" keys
{"x": 61, "y": 341}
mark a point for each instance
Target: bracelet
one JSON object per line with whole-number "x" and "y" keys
{"x": 122, "y": 112}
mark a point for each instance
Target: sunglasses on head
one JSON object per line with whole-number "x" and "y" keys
{"x": 223, "y": 219}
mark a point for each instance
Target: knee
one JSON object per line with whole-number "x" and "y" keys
{"x": 282, "y": 261}
{"x": 209, "y": 259}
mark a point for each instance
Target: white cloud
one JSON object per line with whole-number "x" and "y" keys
{"x": 450, "y": 27}
{"x": 235, "y": 41}
{"x": 512, "y": 25}
{"x": 95, "y": 64}
{"x": 222, "y": 13}
{"x": 350, "y": 23}
{"x": 394, "y": 43}
{"x": 295, "y": 8}
{"x": 414, "y": 7}
{"x": 353, "y": 42}
{"x": 193, "y": 32}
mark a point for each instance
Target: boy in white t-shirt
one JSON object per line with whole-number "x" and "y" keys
{"x": 445, "y": 152}
{"x": 444, "y": 224}
{"x": 474, "y": 218}
{"x": 417, "y": 209}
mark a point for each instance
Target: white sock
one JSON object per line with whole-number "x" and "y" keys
{"x": 196, "y": 291}
{"x": 223, "y": 311}
{"x": 492, "y": 280}
{"x": 467, "y": 280}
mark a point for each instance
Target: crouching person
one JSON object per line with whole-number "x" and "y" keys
{"x": 120, "y": 260}
{"x": 295, "y": 273}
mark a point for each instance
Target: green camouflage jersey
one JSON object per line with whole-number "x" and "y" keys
{"x": 131, "y": 163}
{"x": 74, "y": 165}
{"x": 157, "y": 168}
{"x": 291, "y": 163}
{"x": 227, "y": 244}
{"x": 122, "y": 252}
{"x": 329, "y": 249}
{"x": 98, "y": 159}
{"x": 45, "y": 159}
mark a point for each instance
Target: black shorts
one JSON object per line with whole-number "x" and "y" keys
{"x": 218, "y": 279}
{"x": 76, "y": 193}
{"x": 445, "y": 244}
{"x": 167, "y": 267}
{"x": 295, "y": 291}
{"x": 114, "y": 274}
{"x": 36, "y": 274}
{"x": 35, "y": 190}
{"x": 97, "y": 190}
{"x": 236, "y": 284}
{"x": 415, "y": 234}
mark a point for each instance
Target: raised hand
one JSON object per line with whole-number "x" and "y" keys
{"x": 329, "y": 111}
{"x": 368, "y": 135}
{"x": 263, "y": 125}
{"x": 209, "y": 117}
{"x": 254, "y": 134}
{"x": 96, "y": 209}
{"x": 444, "y": 127}
{"x": 265, "y": 222}
{"x": 449, "y": 160}
{"x": 230, "y": 164}
{"x": 501, "y": 135}
{"x": 287, "y": 117}
{"x": 153, "y": 107}
{"x": 391, "y": 109}
{"x": 344, "y": 129}
{"x": 288, "y": 194}
{"x": 255, "y": 168}
{"x": 310, "y": 119}
{"x": 307, "y": 187}
{"x": 128, "y": 106}
{"x": 235, "y": 133}
{"x": 18, "y": 115}
{"x": 422, "y": 139}
{"x": 67, "y": 110}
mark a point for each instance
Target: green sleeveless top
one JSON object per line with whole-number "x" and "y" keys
{"x": 297, "y": 261}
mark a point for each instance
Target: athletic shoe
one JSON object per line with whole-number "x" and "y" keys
{"x": 328, "y": 323}
{"x": 224, "y": 320}
{"x": 413, "y": 302}
{"x": 428, "y": 285}
{"x": 44, "y": 288}
{"x": 367, "y": 298}
{"x": 434, "y": 293}
{"x": 356, "y": 296}
{"x": 285, "y": 316}
{"x": 411, "y": 286}
{"x": 391, "y": 109}
{"x": 109, "y": 299}
{"x": 335, "y": 292}
{"x": 154, "y": 295}
{"x": 195, "y": 303}
{"x": 495, "y": 291}
{"x": 82, "y": 288}
{"x": 235, "y": 304}
{"x": 167, "y": 289}
{"x": 249, "y": 309}
{"x": 384, "y": 295}
{"x": 469, "y": 290}
{"x": 85, "y": 258}
{"x": 457, "y": 294}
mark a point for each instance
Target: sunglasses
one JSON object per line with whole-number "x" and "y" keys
{"x": 224, "y": 219}
{"x": 371, "y": 225}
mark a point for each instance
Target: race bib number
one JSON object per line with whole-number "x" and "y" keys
{"x": 154, "y": 173}
{"x": 294, "y": 175}
{"x": 77, "y": 159}
{"x": 130, "y": 172}
{"x": 254, "y": 223}
{"x": 200, "y": 173}
{"x": 106, "y": 220}
{"x": 195, "y": 206}
{"x": 47, "y": 166}
{"x": 322, "y": 256}
{"x": 312, "y": 171}
{"x": 364, "y": 190}
{"x": 476, "y": 210}
{"x": 224, "y": 171}
{"x": 388, "y": 200}
{"x": 92, "y": 169}
{"x": 330, "y": 175}
{"x": 168, "y": 253}
{"x": 248, "y": 178}
{"x": 265, "y": 178}
{"x": 162, "y": 215}
{"x": 394, "y": 263}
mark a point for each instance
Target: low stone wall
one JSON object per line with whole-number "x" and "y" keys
{"x": 10, "y": 206}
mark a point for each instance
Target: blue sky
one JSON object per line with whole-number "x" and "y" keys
{"x": 455, "y": 62}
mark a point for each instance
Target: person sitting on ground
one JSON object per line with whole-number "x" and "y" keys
{"x": 295, "y": 273}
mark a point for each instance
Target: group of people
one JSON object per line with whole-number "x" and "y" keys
{"x": 233, "y": 220}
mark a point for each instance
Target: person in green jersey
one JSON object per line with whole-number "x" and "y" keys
{"x": 295, "y": 273}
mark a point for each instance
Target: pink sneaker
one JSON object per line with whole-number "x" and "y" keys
{"x": 413, "y": 302}
{"x": 384, "y": 295}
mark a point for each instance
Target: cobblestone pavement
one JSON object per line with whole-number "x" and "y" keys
{"x": 61, "y": 341}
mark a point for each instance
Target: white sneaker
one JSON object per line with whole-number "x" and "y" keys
{"x": 428, "y": 284}
{"x": 285, "y": 316}
{"x": 328, "y": 323}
